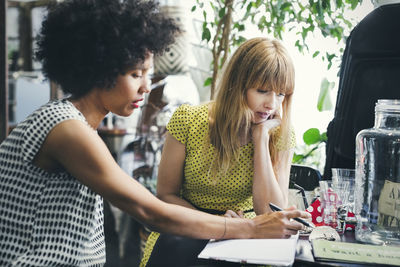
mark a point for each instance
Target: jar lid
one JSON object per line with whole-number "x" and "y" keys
{"x": 391, "y": 105}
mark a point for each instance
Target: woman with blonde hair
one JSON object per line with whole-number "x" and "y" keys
{"x": 231, "y": 156}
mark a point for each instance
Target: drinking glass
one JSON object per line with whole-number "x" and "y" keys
{"x": 334, "y": 195}
{"x": 339, "y": 175}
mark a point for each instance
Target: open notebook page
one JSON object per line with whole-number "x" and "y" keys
{"x": 256, "y": 251}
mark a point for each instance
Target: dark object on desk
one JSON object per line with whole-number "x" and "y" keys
{"x": 369, "y": 71}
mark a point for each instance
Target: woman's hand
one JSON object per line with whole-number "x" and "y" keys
{"x": 232, "y": 214}
{"x": 261, "y": 130}
{"x": 279, "y": 224}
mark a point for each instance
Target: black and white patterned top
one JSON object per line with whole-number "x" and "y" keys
{"x": 46, "y": 219}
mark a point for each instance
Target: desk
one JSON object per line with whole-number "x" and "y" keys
{"x": 304, "y": 256}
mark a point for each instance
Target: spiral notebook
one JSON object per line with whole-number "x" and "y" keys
{"x": 279, "y": 252}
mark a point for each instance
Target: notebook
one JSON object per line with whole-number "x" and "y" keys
{"x": 279, "y": 252}
{"x": 352, "y": 252}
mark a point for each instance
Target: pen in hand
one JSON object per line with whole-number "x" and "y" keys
{"x": 276, "y": 208}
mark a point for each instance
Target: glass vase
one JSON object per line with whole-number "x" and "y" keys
{"x": 377, "y": 196}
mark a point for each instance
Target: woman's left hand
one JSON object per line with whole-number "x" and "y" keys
{"x": 232, "y": 214}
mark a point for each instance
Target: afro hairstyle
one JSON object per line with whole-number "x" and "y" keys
{"x": 85, "y": 44}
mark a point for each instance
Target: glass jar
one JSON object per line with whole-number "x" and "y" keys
{"x": 377, "y": 197}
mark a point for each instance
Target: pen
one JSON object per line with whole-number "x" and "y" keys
{"x": 308, "y": 224}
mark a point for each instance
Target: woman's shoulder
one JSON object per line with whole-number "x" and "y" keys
{"x": 185, "y": 118}
{"x": 193, "y": 112}
{"x": 57, "y": 110}
{"x": 46, "y": 117}
{"x": 193, "y": 108}
{"x": 50, "y": 114}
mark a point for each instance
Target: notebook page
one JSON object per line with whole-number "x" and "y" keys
{"x": 256, "y": 251}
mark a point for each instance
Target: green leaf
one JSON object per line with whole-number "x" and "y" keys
{"x": 324, "y": 99}
{"x": 249, "y": 6}
{"x": 240, "y": 40}
{"x": 311, "y": 136}
{"x": 212, "y": 6}
{"x": 239, "y": 26}
{"x": 304, "y": 33}
{"x": 297, "y": 158}
{"x": 326, "y": 5}
{"x": 208, "y": 81}
{"x": 299, "y": 46}
{"x": 316, "y": 53}
{"x": 193, "y": 8}
{"x": 206, "y": 34}
{"x": 354, "y": 3}
{"x": 221, "y": 13}
{"x": 348, "y": 23}
{"x": 324, "y": 137}
{"x": 286, "y": 6}
{"x": 320, "y": 10}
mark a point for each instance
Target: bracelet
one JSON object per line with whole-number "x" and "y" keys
{"x": 224, "y": 230}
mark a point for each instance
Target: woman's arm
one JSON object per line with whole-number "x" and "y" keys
{"x": 283, "y": 165}
{"x": 81, "y": 152}
{"x": 170, "y": 172}
{"x": 269, "y": 186}
{"x": 169, "y": 181}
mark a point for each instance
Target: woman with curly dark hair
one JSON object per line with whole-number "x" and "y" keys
{"x": 55, "y": 169}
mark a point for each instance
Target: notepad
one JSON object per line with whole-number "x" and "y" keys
{"x": 351, "y": 252}
{"x": 279, "y": 252}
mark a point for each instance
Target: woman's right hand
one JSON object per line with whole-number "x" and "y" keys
{"x": 279, "y": 224}
{"x": 261, "y": 130}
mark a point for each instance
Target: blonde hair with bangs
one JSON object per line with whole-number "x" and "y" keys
{"x": 258, "y": 63}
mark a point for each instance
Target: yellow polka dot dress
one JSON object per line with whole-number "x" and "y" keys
{"x": 202, "y": 187}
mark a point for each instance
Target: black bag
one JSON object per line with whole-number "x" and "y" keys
{"x": 370, "y": 71}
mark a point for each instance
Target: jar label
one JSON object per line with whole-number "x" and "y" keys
{"x": 389, "y": 205}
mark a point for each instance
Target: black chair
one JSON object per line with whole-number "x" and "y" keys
{"x": 304, "y": 178}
